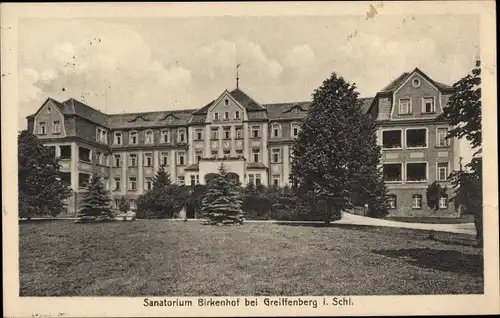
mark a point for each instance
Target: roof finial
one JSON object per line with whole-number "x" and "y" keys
{"x": 237, "y": 75}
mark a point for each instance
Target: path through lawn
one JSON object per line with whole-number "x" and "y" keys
{"x": 159, "y": 257}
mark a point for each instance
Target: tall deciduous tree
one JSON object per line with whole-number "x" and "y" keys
{"x": 42, "y": 190}
{"x": 222, "y": 200}
{"x": 464, "y": 112}
{"x": 336, "y": 154}
{"x": 95, "y": 204}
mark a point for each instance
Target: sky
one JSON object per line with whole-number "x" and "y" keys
{"x": 146, "y": 64}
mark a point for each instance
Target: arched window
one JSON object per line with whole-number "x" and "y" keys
{"x": 392, "y": 201}
{"x": 294, "y": 129}
{"x": 416, "y": 200}
{"x": 181, "y": 135}
{"x": 165, "y": 136}
{"x": 276, "y": 130}
{"x": 149, "y": 137}
{"x": 134, "y": 138}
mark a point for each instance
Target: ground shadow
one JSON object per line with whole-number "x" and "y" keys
{"x": 443, "y": 260}
{"x": 356, "y": 227}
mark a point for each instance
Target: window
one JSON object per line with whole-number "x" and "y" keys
{"x": 132, "y": 160}
{"x": 149, "y": 137}
{"x": 98, "y": 157}
{"x": 216, "y": 116}
{"x": 416, "y": 82}
{"x": 165, "y": 136}
{"x": 239, "y": 132}
{"x": 393, "y": 172}
{"x": 118, "y": 139}
{"x": 257, "y": 179}
{"x": 148, "y": 185}
{"x": 65, "y": 152}
{"x": 237, "y": 115}
{"x": 148, "y": 159}
{"x": 416, "y": 201}
{"x": 275, "y": 155}
{"x": 104, "y": 137}
{"x": 251, "y": 178}
{"x": 181, "y": 136}
{"x": 276, "y": 180}
{"x": 132, "y": 183}
{"x": 443, "y": 202}
{"x": 117, "y": 184}
{"x": 276, "y": 130}
{"x": 226, "y": 115}
{"x": 441, "y": 140}
{"x": 442, "y": 171}
{"x": 134, "y": 138}
{"x": 255, "y": 131}
{"x": 49, "y": 109}
{"x": 391, "y": 139}
{"x": 227, "y": 132}
{"x": 193, "y": 180}
{"x": 428, "y": 105}
{"x": 392, "y": 201}
{"x": 132, "y": 204}
{"x": 118, "y": 161}
{"x": 164, "y": 159}
{"x": 295, "y": 128}
{"x": 180, "y": 180}
{"x": 416, "y": 138}
{"x": 56, "y": 127}
{"x": 180, "y": 158}
{"x": 84, "y": 154}
{"x": 198, "y": 134}
{"x": 105, "y": 159}
{"x": 42, "y": 129}
{"x": 226, "y": 101}
{"x": 256, "y": 155}
{"x": 197, "y": 179}
{"x": 416, "y": 172}
{"x": 83, "y": 179}
{"x": 404, "y": 106}
{"x": 101, "y": 136}
{"x": 199, "y": 155}
{"x": 214, "y": 134}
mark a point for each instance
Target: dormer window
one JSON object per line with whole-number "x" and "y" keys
{"x": 165, "y": 136}
{"x": 118, "y": 139}
{"x": 134, "y": 138}
{"x": 276, "y": 130}
{"x": 149, "y": 137}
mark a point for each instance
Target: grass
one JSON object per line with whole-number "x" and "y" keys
{"x": 160, "y": 257}
{"x": 467, "y": 218}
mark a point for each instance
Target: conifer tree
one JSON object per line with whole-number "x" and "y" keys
{"x": 336, "y": 154}
{"x": 222, "y": 200}
{"x": 42, "y": 190}
{"x": 161, "y": 178}
{"x": 95, "y": 203}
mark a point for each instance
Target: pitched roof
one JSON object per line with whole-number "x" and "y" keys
{"x": 403, "y": 77}
{"x": 153, "y": 119}
{"x": 366, "y": 103}
{"x": 284, "y": 110}
{"x": 245, "y": 100}
{"x": 74, "y": 107}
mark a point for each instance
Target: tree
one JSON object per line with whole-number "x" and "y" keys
{"x": 434, "y": 193}
{"x": 42, "y": 190}
{"x": 95, "y": 203}
{"x": 464, "y": 114}
{"x": 222, "y": 200}
{"x": 124, "y": 205}
{"x": 336, "y": 154}
{"x": 161, "y": 178}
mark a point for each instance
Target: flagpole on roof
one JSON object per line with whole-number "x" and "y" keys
{"x": 237, "y": 74}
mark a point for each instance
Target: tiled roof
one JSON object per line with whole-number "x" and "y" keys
{"x": 366, "y": 103}
{"x": 246, "y": 100}
{"x": 150, "y": 119}
{"x": 285, "y": 110}
{"x": 204, "y": 109}
{"x": 398, "y": 81}
{"x": 74, "y": 107}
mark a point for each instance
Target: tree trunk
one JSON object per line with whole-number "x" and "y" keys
{"x": 328, "y": 212}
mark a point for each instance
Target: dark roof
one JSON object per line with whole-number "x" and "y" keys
{"x": 204, "y": 109}
{"x": 366, "y": 103}
{"x": 245, "y": 100}
{"x": 403, "y": 77}
{"x": 285, "y": 110}
{"x": 153, "y": 119}
{"x": 74, "y": 107}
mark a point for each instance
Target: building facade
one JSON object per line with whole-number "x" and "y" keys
{"x": 253, "y": 140}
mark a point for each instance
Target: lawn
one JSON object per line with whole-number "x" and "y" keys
{"x": 161, "y": 257}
